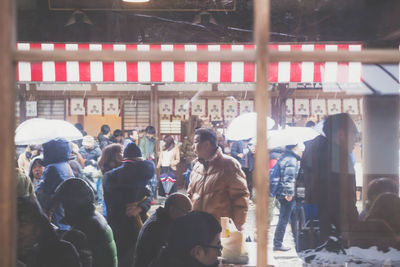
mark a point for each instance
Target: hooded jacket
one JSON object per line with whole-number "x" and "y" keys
{"x": 288, "y": 173}
{"x": 220, "y": 189}
{"x": 55, "y": 159}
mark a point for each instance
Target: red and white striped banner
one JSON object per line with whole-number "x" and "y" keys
{"x": 190, "y": 72}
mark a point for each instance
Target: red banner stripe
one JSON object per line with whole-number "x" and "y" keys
{"x": 60, "y": 67}
{"x": 226, "y": 67}
{"x": 132, "y": 67}
{"x": 273, "y": 66}
{"x": 249, "y": 68}
{"x": 318, "y": 66}
{"x": 202, "y": 67}
{"x": 295, "y": 67}
{"x": 108, "y": 67}
{"x": 36, "y": 67}
{"x": 179, "y": 67}
{"x": 155, "y": 67}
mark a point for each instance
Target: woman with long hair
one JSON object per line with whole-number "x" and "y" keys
{"x": 169, "y": 159}
{"x": 111, "y": 157}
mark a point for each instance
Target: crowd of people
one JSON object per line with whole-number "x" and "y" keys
{"x": 66, "y": 218}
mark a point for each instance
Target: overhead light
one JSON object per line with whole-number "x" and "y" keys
{"x": 136, "y": 1}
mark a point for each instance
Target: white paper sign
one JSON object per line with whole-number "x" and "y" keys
{"x": 31, "y": 108}
{"x": 302, "y": 106}
{"x": 214, "y": 110}
{"x": 111, "y": 106}
{"x": 77, "y": 106}
{"x": 318, "y": 107}
{"x": 94, "y": 106}
{"x": 182, "y": 107}
{"x": 334, "y": 106}
{"x": 165, "y": 106}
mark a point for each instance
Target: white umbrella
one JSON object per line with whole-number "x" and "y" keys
{"x": 245, "y": 127}
{"x": 39, "y": 131}
{"x": 290, "y": 136}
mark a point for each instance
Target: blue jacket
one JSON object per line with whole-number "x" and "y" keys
{"x": 237, "y": 148}
{"x": 55, "y": 157}
{"x": 289, "y": 170}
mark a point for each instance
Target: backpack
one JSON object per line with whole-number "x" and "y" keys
{"x": 274, "y": 178}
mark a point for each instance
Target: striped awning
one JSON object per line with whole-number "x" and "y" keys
{"x": 188, "y": 72}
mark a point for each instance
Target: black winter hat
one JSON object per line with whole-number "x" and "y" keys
{"x": 132, "y": 151}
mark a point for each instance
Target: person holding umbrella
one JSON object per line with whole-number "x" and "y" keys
{"x": 289, "y": 168}
{"x": 169, "y": 159}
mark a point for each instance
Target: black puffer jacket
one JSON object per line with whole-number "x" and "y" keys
{"x": 289, "y": 168}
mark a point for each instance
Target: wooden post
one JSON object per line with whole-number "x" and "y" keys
{"x": 7, "y": 152}
{"x": 261, "y": 29}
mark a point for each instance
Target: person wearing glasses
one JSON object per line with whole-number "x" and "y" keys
{"x": 193, "y": 241}
{"x": 154, "y": 232}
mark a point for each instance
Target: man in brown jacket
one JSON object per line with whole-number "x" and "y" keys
{"x": 217, "y": 182}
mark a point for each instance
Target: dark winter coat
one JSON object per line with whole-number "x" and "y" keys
{"x": 123, "y": 185}
{"x": 322, "y": 179}
{"x": 103, "y": 141}
{"x": 288, "y": 173}
{"x": 152, "y": 237}
{"x": 237, "y": 148}
{"x": 55, "y": 157}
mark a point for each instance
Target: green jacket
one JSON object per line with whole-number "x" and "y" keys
{"x": 146, "y": 148}
{"x": 24, "y": 185}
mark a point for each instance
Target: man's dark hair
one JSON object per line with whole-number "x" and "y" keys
{"x": 105, "y": 129}
{"x": 150, "y": 130}
{"x": 207, "y": 134}
{"x": 195, "y": 228}
{"x": 118, "y": 132}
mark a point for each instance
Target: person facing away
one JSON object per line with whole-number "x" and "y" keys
{"x": 56, "y": 154}
{"x": 104, "y": 136}
{"x": 128, "y": 199}
{"x": 193, "y": 241}
{"x": 243, "y": 152}
{"x": 167, "y": 162}
{"x": 77, "y": 199}
{"x": 90, "y": 151}
{"x": 323, "y": 162}
{"x": 217, "y": 183}
{"x": 118, "y": 137}
{"x": 155, "y": 230}
{"x": 288, "y": 163}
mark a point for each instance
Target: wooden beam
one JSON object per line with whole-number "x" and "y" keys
{"x": 8, "y": 194}
{"x": 261, "y": 29}
{"x": 365, "y": 56}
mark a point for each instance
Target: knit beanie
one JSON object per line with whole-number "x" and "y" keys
{"x": 132, "y": 151}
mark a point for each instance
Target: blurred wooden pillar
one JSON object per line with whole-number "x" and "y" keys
{"x": 7, "y": 151}
{"x": 380, "y": 140}
{"x": 261, "y": 31}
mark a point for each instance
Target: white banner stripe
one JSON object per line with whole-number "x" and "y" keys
{"x": 49, "y": 68}
{"x": 190, "y": 66}
{"x": 214, "y": 68}
{"x": 24, "y": 68}
{"x": 237, "y": 74}
{"x": 307, "y": 68}
{"x": 331, "y": 68}
{"x": 355, "y": 68}
{"x": 284, "y": 67}
{"x": 96, "y": 67}
{"x": 167, "y": 67}
{"x": 143, "y": 66}
{"x": 72, "y": 66}
{"x": 120, "y": 72}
